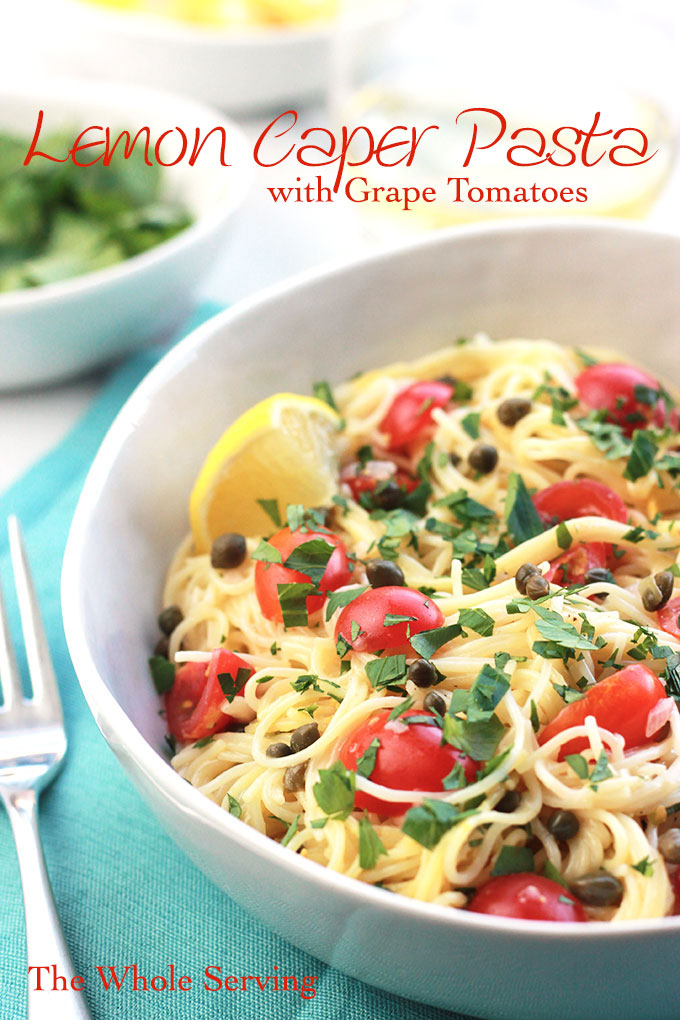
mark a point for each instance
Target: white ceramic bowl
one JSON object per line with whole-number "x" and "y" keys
{"x": 586, "y": 283}
{"x": 52, "y": 332}
{"x": 242, "y": 71}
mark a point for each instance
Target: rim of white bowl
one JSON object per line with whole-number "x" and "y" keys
{"x": 104, "y": 705}
{"x": 241, "y": 170}
{"x": 141, "y": 25}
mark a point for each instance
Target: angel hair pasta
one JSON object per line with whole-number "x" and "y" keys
{"x": 457, "y": 679}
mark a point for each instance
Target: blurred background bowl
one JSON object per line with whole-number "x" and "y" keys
{"x": 243, "y": 71}
{"x": 58, "y": 330}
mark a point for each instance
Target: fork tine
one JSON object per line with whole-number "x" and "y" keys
{"x": 43, "y": 680}
{"x": 10, "y": 680}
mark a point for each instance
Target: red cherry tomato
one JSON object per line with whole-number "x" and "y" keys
{"x": 269, "y": 575}
{"x": 621, "y": 704}
{"x": 193, "y": 706}
{"x": 410, "y": 757}
{"x": 582, "y": 498}
{"x": 370, "y": 611}
{"x": 410, "y": 414}
{"x": 612, "y": 387}
{"x": 668, "y": 618}
{"x": 367, "y": 478}
{"x": 574, "y": 564}
{"x": 526, "y": 896}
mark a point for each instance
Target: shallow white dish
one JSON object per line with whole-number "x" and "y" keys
{"x": 585, "y": 283}
{"x": 242, "y": 71}
{"x": 53, "y": 332}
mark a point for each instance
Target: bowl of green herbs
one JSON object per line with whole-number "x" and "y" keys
{"x": 96, "y": 260}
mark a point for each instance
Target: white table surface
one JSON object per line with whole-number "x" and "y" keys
{"x": 268, "y": 243}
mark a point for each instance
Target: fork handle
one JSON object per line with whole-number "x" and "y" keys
{"x": 45, "y": 943}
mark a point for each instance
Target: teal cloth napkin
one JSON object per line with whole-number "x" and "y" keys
{"x": 124, "y": 891}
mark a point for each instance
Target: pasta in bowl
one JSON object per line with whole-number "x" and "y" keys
{"x": 455, "y": 677}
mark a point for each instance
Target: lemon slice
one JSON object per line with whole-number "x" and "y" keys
{"x": 283, "y": 449}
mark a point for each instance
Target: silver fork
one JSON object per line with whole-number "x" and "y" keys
{"x": 32, "y": 746}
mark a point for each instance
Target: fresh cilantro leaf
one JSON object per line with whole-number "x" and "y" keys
{"x": 477, "y": 620}
{"x": 293, "y": 597}
{"x": 334, "y": 792}
{"x": 230, "y": 686}
{"x": 370, "y": 845}
{"x": 366, "y": 762}
{"x": 162, "y": 673}
{"x": 428, "y": 822}
{"x": 512, "y": 860}
{"x": 430, "y": 641}
{"x": 271, "y": 508}
{"x": 521, "y": 515}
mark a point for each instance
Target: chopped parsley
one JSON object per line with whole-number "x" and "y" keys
{"x": 271, "y": 508}
{"x": 370, "y": 844}
{"x": 334, "y": 792}
{"x": 642, "y": 455}
{"x": 521, "y": 515}
{"x": 323, "y": 391}
{"x": 366, "y": 761}
{"x": 231, "y": 686}
{"x": 235, "y": 808}
{"x": 470, "y": 424}
{"x": 292, "y": 829}
{"x": 293, "y": 597}
{"x": 512, "y": 860}
{"x": 563, "y": 536}
{"x": 266, "y": 553}
{"x": 311, "y": 558}
{"x": 430, "y": 641}
{"x": 428, "y": 822}
{"x": 340, "y": 599}
{"x": 645, "y": 867}
{"x": 477, "y": 620}
{"x": 162, "y": 673}
{"x": 385, "y": 671}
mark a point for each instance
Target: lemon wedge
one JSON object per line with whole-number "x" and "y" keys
{"x": 283, "y": 449}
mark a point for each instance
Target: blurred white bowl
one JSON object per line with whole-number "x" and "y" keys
{"x": 582, "y": 284}
{"x": 239, "y": 70}
{"x": 52, "y": 332}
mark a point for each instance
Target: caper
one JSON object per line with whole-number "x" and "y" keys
{"x": 294, "y": 778}
{"x": 483, "y": 458}
{"x": 598, "y": 889}
{"x": 656, "y": 590}
{"x": 669, "y": 845}
{"x": 422, "y": 673}
{"x": 303, "y": 736}
{"x": 509, "y": 802}
{"x": 170, "y": 618}
{"x": 563, "y": 824}
{"x": 162, "y": 647}
{"x": 455, "y": 459}
{"x": 597, "y": 574}
{"x": 434, "y": 703}
{"x": 526, "y": 571}
{"x": 228, "y": 551}
{"x": 383, "y": 573}
{"x": 388, "y": 495}
{"x": 512, "y": 410}
{"x": 537, "y": 587}
{"x": 278, "y": 750}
